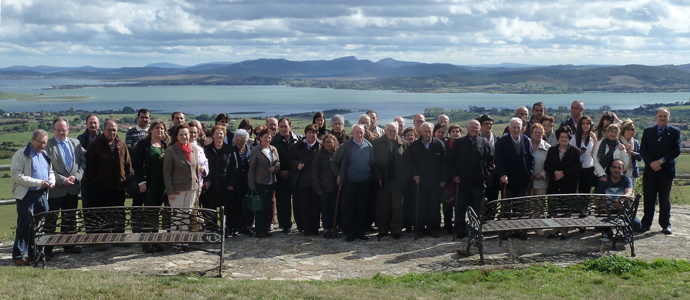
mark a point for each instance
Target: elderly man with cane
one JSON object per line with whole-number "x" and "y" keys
{"x": 352, "y": 163}
{"x": 428, "y": 167}
{"x": 471, "y": 165}
{"x": 389, "y": 178}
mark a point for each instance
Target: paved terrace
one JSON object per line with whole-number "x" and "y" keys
{"x": 295, "y": 257}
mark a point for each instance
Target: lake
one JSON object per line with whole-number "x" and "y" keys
{"x": 273, "y": 100}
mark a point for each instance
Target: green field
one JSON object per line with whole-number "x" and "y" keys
{"x": 601, "y": 278}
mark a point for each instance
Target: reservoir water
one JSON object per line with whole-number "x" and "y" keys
{"x": 273, "y": 100}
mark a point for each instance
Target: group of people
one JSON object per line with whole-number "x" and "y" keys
{"x": 391, "y": 177}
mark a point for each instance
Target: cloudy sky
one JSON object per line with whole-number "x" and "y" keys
{"x": 108, "y": 33}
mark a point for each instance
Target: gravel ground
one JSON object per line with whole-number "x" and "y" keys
{"x": 295, "y": 257}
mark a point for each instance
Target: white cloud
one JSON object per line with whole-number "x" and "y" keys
{"x": 452, "y": 31}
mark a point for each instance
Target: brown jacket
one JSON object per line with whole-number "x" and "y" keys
{"x": 180, "y": 174}
{"x": 106, "y": 168}
{"x": 259, "y": 164}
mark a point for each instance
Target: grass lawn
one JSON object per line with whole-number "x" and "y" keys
{"x": 603, "y": 278}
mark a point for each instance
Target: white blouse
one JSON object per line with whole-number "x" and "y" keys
{"x": 586, "y": 159}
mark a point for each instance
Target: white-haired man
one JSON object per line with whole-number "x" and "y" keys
{"x": 352, "y": 163}
{"x": 428, "y": 166}
{"x": 389, "y": 178}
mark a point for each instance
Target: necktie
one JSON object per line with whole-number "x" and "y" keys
{"x": 67, "y": 156}
{"x": 661, "y": 131}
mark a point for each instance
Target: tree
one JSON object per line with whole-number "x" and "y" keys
{"x": 128, "y": 110}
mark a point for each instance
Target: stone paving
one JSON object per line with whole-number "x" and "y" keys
{"x": 295, "y": 257}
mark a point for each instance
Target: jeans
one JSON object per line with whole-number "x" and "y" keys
{"x": 34, "y": 202}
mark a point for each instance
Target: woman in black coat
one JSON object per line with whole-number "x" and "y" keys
{"x": 563, "y": 165}
{"x": 324, "y": 182}
{"x": 147, "y": 162}
{"x": 239, "y": 166}
{"x": 215, "y": 192}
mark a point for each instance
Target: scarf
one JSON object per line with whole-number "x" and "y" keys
{"x": 187, "y": 149}
{"x": 605, "y": 158}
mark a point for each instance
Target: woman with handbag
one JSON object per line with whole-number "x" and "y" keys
{"x": 181, "y": 175}
{"x": 264, "y": 164}
{"x": 147, "y": 162}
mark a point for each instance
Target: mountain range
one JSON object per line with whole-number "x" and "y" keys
{"x": 383, "y": 71}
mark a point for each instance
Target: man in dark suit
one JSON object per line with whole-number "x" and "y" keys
{"x": 471, "y": 165}
{"x": 68, "y": 165}
{"x": 390, "y": 176}
{"x": 659, "y": 148}
{"x": 283, "y": 188}
{"x": 514, "y": 160}
{"x": 428, "y": 165}
{"x": 576, "y": 110}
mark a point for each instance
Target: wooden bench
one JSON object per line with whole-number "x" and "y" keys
{"x": 129, "y": 225}
{"x": 551, "y": 212}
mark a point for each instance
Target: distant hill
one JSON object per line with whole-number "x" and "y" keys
{"x": 388, "y": 73}
{"x": 165, "y": 65}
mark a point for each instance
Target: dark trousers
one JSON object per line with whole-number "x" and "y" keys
{"x": 263, "y": 218}
{"x": 103, "y": 197}
{"x": 491, "y": 192}
{"x": 67, "y": 220}
{"x": 310, "y": 208}
{"x": 85, "y": 193}
{"x": 237, "y": 219}
{"x": 409, "y": 204}
{"x": 389, "y": 210}
{"x": 355, "y": 200}
{"x": 370, "y": 218}
{"x": 585, "y": 179}
{"x": 429, "y": 209}
{"x": 328, "y": 209}
{"x": 467, "y": 195}
{"x": 34, "y": 202}
{"x": 285, "y": 206}
{"x": 653, "y": 187}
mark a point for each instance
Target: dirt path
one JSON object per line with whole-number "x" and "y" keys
{"x": 294, "y": 257}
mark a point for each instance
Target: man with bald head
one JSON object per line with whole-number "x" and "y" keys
{"x": 428, "y": 167}
{"x": 419, "y": 119}
{"x": 107, "y": 165}
{"x": 660, "y": 146}
{"x": 365, "y": 120}
{"x": 576, "y": 110}
{"x": 521, "y": 113}
{"x": 401, "y": 125}
{"x": 272, "y": 125}
{"x": 471, "y": 166}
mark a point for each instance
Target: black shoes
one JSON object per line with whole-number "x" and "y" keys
{"x": 667, "y": 230}
{"x": 645, "y": 229}
{"x": 285, "y": 230}
{"x": 350, "y": 239}
{"x": 396, "y": 236}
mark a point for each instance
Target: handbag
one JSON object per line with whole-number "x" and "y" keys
{"x": 252, "y": 202}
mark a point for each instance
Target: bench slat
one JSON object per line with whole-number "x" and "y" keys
{"x": 127, "y": 238}
{"x": 523, "y": 224}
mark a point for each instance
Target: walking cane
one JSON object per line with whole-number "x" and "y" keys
{"x": 503, "y": 196}
{"x": 335, "y": 216}
{"x": 416, "y": 214}
{"x": 455, "y": 225}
